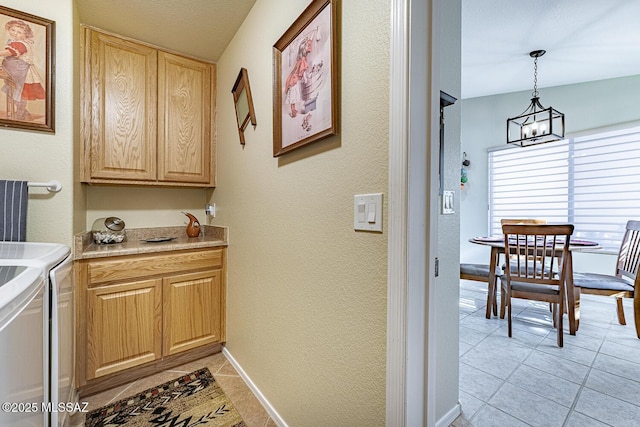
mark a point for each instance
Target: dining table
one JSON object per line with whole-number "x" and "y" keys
{"x": 497, "y": 245}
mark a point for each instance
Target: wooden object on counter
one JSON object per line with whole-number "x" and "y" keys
{"x": 140, "y": 314}
{"x": 147, "y": 115}
{"x": 193, "y": 228}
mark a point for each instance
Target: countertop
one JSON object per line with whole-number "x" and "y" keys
{"x": 210, "y": 236}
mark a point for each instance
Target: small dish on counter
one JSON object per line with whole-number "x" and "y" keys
{"x": 158, "y": 239}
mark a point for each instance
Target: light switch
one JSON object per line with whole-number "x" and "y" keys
{"x": 367, "y": 212}
{"x": 447, "y": 203}
{"x": 362, "y": 212}
{"x": 371, "y": 213}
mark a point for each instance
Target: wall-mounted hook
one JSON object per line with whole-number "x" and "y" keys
{"x": 465, "y": 161}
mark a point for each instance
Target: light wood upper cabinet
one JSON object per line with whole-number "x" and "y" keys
{"x": 147, "y": 115}
{"x": 123, "y": 87}
{"x": 184, "y": 128}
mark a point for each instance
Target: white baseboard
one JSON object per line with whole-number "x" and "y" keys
{"x": 450, "y": 416}
{"x": 445, "y": 421}
{"x": 263, "y": 400}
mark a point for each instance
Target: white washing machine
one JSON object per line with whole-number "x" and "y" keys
{"x": 52, "y": 262}
{"x": 23, "y": 354}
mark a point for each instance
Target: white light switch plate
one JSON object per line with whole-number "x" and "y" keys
{"x": 367, "y": 212}
{"x": 447, "y": 203}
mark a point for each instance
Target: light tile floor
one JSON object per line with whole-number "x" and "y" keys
{"x": 252, "y": 412}
{"x": 526, "y": 380}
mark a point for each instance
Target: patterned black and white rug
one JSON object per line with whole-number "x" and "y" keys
{"x": 194, "y": 399}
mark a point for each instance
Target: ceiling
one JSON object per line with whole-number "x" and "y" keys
{"x": 200, "y": 28}
{"x": 585, "y": 39}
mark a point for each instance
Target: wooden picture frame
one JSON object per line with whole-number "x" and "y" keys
{"x": 243, "y": 102}
{"x": 27, "y": 71}
{"x": 305, "y": 79}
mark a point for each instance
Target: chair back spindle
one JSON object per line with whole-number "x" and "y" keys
{"x": 629, "y": 256}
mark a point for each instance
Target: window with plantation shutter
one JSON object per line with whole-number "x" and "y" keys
{"x": 592, "y": 182}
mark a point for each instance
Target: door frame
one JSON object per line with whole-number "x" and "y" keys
{"x": 413, "y": 229}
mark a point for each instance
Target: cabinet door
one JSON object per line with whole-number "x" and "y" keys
{"x": 192, "y": 310}
{"x": 123, "y": 97}
{"x": 123, "y": 326}
{"x": 184, "y": 119}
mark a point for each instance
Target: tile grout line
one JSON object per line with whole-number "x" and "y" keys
{"x": 504, "y": 381}
{"x": 584, "y": 381}
{"x": 221, "y": 366}
{"x": 115, "y": 398}
{"x": 582, "y": 384}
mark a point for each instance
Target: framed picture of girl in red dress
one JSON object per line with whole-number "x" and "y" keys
{"x": 305, "y": 79}
{"x": 26, "y": 71}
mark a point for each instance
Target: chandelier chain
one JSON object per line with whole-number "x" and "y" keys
{"x": 535, "y": 77}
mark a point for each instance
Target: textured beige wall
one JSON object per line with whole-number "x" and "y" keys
{"x": 306, "y": 297}
{"x": 37, "y": 156}
{"x": 145, "y": 206}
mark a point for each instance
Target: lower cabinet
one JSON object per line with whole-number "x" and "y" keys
{"x": 124, "y": 326}
{"x": 141, "y": 314}
{"x": 191, "y": 311}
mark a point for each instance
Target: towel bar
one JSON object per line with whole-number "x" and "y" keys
{"x": 53, "y": 186}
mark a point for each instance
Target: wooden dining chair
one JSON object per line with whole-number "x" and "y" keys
{"x": 480, "y": 272}
{"x": 620, "y": 285}
{"x": 523, "y": 221}
{"x": 529, "y": 250}
{"x": 519, "y": 221}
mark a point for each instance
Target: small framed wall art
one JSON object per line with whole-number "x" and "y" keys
{"x": 26, "y": 71}
{"x": 243, "y": 102}
{"x": 305, "y": 79}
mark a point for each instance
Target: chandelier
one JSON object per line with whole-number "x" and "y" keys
{"x": 536, "y": 124}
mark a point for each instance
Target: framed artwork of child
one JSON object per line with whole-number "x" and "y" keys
{"x": 26, "y": 71}
{"x": 305, "y": 79}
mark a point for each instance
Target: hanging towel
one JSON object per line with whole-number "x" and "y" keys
{"x": 13, "y": 211}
